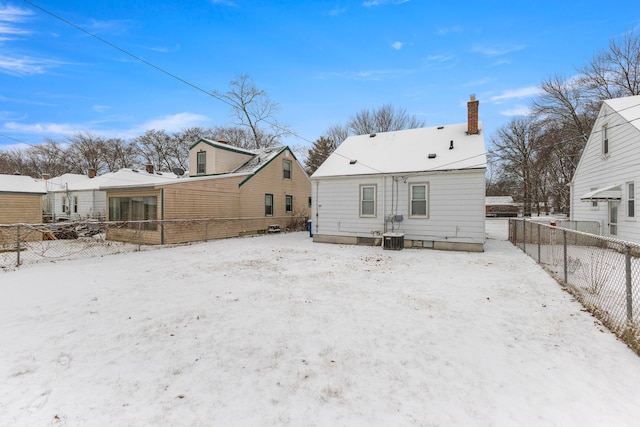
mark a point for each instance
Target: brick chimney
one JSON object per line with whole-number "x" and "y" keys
{"x": 46, "y": 176}
{"x": 223, "y": 141}
{"x": 149, "y": 168}
{"x": 91, "y": 173}
{"x": 472, "y": 116}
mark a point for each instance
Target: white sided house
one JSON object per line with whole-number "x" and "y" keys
{"x": 603, "y": 188}
{"x": 425, "y": 185}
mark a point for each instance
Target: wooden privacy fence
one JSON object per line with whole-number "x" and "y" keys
{"x": 602, "y": 273}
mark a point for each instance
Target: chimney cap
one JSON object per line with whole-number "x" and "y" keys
{"x": 472, "y": 97}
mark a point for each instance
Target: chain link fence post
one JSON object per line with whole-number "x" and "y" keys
{"x": 18, "y": 245}
{"x": 627, "y": 263}
{"x": 139, "y": 235}
{"x": 539, "y": 243}
{"x": 564, "y": 245}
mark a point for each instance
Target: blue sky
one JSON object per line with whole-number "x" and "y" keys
{"x": 322, "y": 61}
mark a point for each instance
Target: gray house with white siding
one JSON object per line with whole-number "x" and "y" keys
{"x": 603, "y": 188}
{"x": 426, "y": 184}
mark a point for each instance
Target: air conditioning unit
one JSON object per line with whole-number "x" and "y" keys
{"x": 393, "y": 241}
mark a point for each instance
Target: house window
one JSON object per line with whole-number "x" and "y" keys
{"x": 201, "y": 161}
{"x": 288, "y": 204}
{"x": 368, "y": 200}
{"x": 134, "y": 209}
{"x": 309, "y": 201}
{"x": 64, "y": 205}
{"x": 631, "y": 200}
{"x": 286, "y": 169}
{"x": 594, "y": 203}
{"x": 418, "y": 194}
{"x": 605, "y": 140}
{"x": 75, "y": 204}
{"x": 268, "y": 205}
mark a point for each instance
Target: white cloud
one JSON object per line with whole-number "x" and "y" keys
{"x": 25, "y": 66}
{"x": 173, "y": 123}
{"x": 445, "y": 31}
{"x": 492, "y": 51}
{"x": 524, "y": 92}
{"x": 370, "y": 3}
{"x": 13, "y": 14}
{"x": 100, "y": 108}
{"x": 518, "y": 110}
{"x": 396, "y": 45}
{"x": 365, "y": 74}
{"x": 224, "y": 2}
{"x": 64, "y": 129}
{"x": 337, "y": 11}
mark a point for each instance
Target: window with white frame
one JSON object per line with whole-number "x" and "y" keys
{"x": 64, "y": 204}
{"x": 286, "y": 169}
{"x": 419, "y": 195}
{"x": 201, "y": 161}
{"x": 288, "y": 204}
{"x": 605, "y": 140}
{"x": 368, "y": 200}
{"x": 631, "y": 200}
{"x": 75, "y": 204}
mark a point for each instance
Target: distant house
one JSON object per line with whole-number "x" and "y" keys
{"x": 425, "y": 184}
{"x": 603, "y": 188}
{"x": 500, "y": 207}
{"x": 245, "y": 191}
{"x": 21, "y": 199}
{"x": 75, "y": 196}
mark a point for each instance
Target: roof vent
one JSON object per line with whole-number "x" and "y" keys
{"x": 440, "y": 127}
{"x": 372, "y": 135}
{"x": 432, "y": 155}
{"x": 451, "y": 145}
{"x": 352, "y": 162}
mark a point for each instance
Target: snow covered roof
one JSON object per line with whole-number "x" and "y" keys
{"x": 261, "y": 158}
{"x": 21, "y": 184}
{"x": 412, "y": 150}
{"x": 129, "y": 178}
{"x": 628, "y": 107}
{"x": 613, "y": 192}
{"x": 499, "y": 200}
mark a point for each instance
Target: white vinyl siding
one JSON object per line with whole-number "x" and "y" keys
{"x": 618, "y": 169}
{"x": 455, "y": 207}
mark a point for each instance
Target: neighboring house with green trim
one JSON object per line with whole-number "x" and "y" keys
{"x": 238, "y": 192}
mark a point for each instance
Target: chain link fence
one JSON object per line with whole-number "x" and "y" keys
{"x": 36, "y": 243}
{"x": 600, "y": 272}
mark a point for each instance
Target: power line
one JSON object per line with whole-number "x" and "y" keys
{"x": 155, "y": 67}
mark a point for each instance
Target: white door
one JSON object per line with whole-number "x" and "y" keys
{"x": 613, "y": 218}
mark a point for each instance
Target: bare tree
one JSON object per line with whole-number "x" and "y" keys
{"x": 155, "y": 149}
{"x": 385, "y": 119}
{"x": 254, "y": 110}
{"x": 336, "y": 133}
{"x": 614, "y": 72}
{"x": 86, "y": 151}
{"x": 516, "y": 148}
{"x": 119, "y": 154}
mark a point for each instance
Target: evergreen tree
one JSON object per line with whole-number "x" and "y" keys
{"x": 321, "y": 149}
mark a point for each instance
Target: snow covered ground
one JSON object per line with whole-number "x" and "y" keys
{"x": 277, "y": 330}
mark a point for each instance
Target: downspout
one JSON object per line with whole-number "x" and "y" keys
{"x": 384, "y": 204}
{"x": 162, "y": 216}
{"x": 317, "y": 205}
